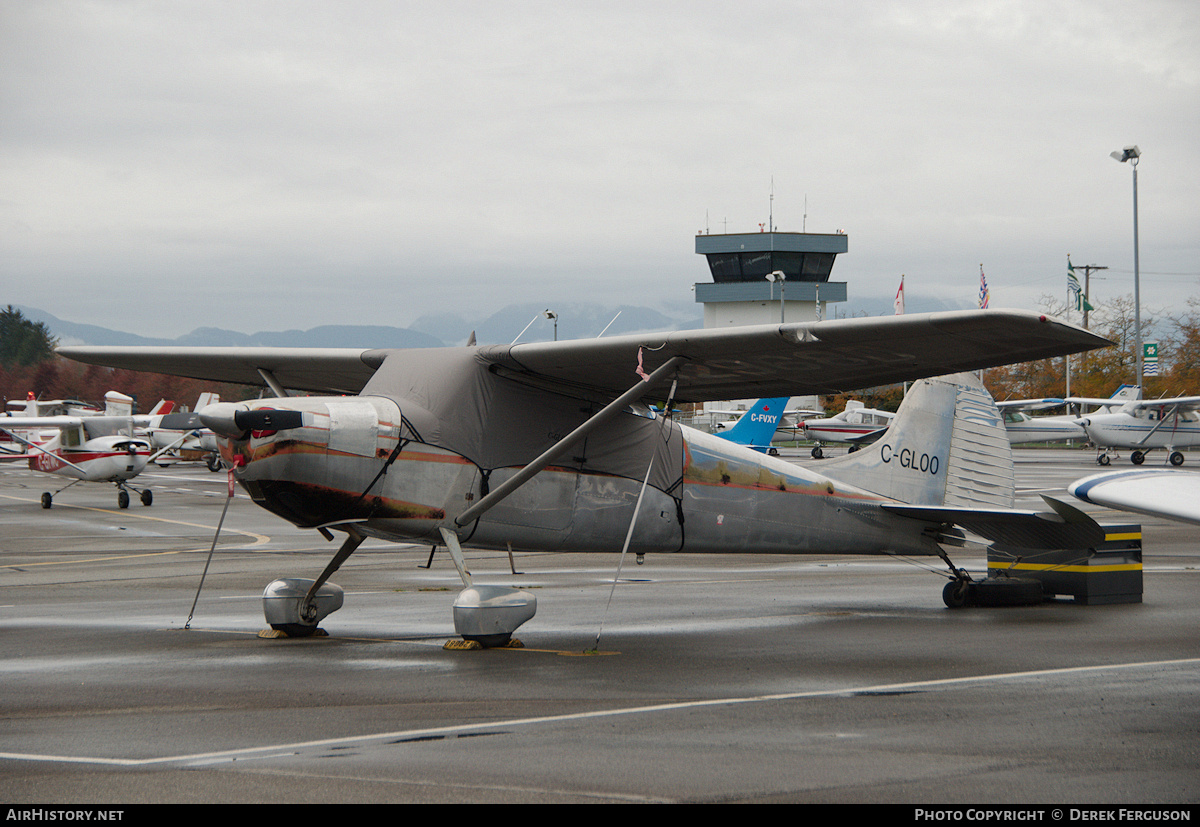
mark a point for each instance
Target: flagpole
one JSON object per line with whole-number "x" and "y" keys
{"x": 1067, "y": 358}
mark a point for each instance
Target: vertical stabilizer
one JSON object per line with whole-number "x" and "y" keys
{"x": 946, "y": 446}
{"x": 756, "y": 426}
{"x": 118, "y": 404}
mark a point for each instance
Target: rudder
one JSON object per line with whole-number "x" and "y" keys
{"x": 946, "y": 446}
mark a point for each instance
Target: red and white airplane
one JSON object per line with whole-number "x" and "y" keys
{"x": 98, "y": 448}
{"x": 858, "y": 425}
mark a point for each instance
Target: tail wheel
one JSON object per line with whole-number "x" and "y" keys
{"x": 956, "y": 593}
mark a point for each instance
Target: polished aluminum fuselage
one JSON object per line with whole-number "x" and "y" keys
{"x": 343, "y": 467}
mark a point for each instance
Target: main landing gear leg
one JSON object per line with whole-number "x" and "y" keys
{"x": 485, "y": 616}
{"x": 294, "y": 606}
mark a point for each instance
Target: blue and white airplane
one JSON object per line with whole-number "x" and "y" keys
{"x": 757, "y": 425}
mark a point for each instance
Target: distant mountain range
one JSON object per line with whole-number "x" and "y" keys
{"x": 526, "y": 321}
{"x": 441, "y": 330}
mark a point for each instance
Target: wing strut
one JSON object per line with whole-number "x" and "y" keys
{"x": 1173, "y": 415}
{"x": 532, "y": 469}
{"x": 48, "y": 453}
{"x": 272, "y": 383}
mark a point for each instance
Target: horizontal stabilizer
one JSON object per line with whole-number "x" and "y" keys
{"x": 1064, "y": 527}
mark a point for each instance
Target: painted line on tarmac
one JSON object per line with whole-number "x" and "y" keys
{"x": 250, "y": 752}
{"x": 259, "y": 539}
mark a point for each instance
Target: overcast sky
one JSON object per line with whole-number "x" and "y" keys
{"x": 274, "y": 165}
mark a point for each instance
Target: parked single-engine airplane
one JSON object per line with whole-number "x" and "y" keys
{"x": 757, "y": 426}
{"x": 100, "y": 448}
{"x": 184, "y": 435}
{"x": 1141, "y": 425}
{"x": 1022, "y": 427}
{"x": 34, "y": 407}
{"x": 857, "y": 424}
{"x": 535, "y": 445}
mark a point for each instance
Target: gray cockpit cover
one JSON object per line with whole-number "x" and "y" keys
{"x": 449, "y": 398}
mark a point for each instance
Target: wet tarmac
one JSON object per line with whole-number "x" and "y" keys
{"x": 722, "y": 678}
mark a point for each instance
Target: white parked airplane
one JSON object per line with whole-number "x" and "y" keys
{"x": 100, "y": 448}
{"x": 184, "y": 435}
{"x": 1022, "y": 427}
{"x": 857, "y": 424}
{"x": 1163, "y": 492}
{"x": 535, "y": 445}
{"x": 34, "y": 407}
{"x": 1141, "y": 425}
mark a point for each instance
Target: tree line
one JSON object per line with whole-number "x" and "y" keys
{"x": 28, "y": 364}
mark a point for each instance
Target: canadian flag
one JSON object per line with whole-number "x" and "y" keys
{"x": 899, "y": 303}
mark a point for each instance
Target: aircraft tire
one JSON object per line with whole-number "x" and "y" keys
{"x": 1102, "y": 459}
{"x": 1006, "y": 591}
{"x": 147, "y": 497}
{"x": 1137, "y": 457}
{"x": 817, "y": 453}
{"x": 213, "y": 462}
{"x": 1176, "y": 458}
{"x": 122, "y": 499}
{"x": 956, "y": 593}
{"x": 47, "y": 500}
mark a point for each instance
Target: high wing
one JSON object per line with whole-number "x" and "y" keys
{"x": 1043, "y": 404}
{"x": 21, "y": 423}
{"x": 1176, "y": 404}
{"x": 318, "y": 370}
{"x": 1159, "y": 493}
{"x": 724, "y": 363}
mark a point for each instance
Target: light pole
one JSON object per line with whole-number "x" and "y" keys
{"x": 778, "y": 276}
{"x": 1131, "y": 154}
{"x": 554, "y": 318}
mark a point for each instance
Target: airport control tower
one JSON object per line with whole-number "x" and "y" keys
{"x": 741, "y": 293}
{"x": 740, "y": 263}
